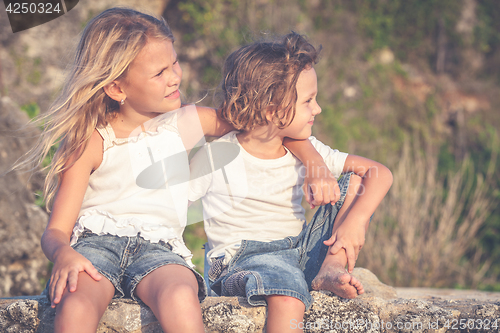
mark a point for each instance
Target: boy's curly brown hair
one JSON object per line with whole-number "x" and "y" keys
{"x": 261, "y": 77}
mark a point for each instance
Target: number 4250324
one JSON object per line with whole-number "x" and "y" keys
{"x": 33, "y": 8}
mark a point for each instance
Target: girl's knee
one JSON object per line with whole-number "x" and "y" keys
{"x": 76, "y": 312}
{"x": 181, "y": 299}
{"x": 77, "y": 301}
{"x": 181, "y": 292}
{"x": 80, "y": 308}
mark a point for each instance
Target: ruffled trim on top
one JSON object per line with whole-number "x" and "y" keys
{"x": 153, "y": 127}
{"x": 102, "y": 223}
{"x": 120, "y": 222}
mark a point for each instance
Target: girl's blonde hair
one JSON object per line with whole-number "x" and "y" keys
{"x": 108, "y": 45}
{"x": 261, "y": 78}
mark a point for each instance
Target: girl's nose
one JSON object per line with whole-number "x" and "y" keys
{"x": 176, "y": 77}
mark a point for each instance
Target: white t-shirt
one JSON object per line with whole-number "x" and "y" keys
{"x": 248, "y": 198}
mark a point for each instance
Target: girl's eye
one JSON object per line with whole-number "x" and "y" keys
{"x": 309, "y": 100}
{"x": 159, "y": 74}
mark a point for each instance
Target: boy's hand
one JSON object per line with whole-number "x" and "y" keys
{"x": 65, "y": 273}
{"x": 350, "y": 238}
{"x": 320, "y": 186}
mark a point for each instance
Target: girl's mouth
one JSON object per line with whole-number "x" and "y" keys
{"x": 173, "y": 95}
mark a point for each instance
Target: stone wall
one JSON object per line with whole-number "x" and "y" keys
{"x": 380, "y": 309}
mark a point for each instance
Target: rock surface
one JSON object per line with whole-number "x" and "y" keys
{"x": 380, "y": 309}
{"x": 22, "y": 263}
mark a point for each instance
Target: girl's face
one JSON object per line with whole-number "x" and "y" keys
{"x": 306, "y": 107}
{"x": 153, "y": 79}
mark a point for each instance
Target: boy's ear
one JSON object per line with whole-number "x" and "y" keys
{"x": 269, "y": 114}
{"x": 114, "y": 91}
{"x": 272, "y": 115}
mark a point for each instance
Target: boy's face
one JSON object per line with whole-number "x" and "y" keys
{"x": 306, "y": 107}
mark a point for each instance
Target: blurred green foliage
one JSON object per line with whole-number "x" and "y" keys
{"x": 406, "y": 26}
{"x": 31, "y": 109}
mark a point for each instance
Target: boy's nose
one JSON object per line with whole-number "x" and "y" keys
{"x": 317, "y": 110}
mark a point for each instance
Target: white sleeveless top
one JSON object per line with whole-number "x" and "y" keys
{"x": 141, "y": 185}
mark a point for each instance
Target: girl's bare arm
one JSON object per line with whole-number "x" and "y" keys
{"x": 212, "y": 124}
{"x": 197, "y": 122}
{"x": 56, "y": 238}
{"x": 320, "y": 186}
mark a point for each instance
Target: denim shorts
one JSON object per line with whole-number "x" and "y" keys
{"x": 125, "y": 261}
{"x": 281, "y": 267}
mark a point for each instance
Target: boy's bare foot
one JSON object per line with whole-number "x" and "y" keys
{"x": 334, "y": 278}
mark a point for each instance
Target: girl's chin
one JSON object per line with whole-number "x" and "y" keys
{"x": 174, "y": 106}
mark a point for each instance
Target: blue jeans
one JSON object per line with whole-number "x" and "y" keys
{"x": 125, "y": 261}
{"x": 282, "y": 267}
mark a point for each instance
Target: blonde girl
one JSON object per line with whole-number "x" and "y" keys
{"x": 127, "y": 240}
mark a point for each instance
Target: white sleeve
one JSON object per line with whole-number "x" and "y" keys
{"x": 201, "y": 175}
{"x": 334, "y": 159}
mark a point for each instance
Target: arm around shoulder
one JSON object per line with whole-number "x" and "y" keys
{"x": 320, "y": 186}
{"x": 197, "y": 122}
{"x": 211, "y": 123}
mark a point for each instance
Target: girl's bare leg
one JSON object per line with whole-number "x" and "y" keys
{"x": 81, "y": 310}
{"x": 333, "y": 275}
{"x": 284, "y": 314}
{"x": 171, "y": 291}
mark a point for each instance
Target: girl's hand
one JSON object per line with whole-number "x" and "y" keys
{"x": 320, "y": 186}
{"x": 348, "y": 237}
{"x": 65, "y": 272}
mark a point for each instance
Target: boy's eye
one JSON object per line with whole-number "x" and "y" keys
{"x": 159, "y": 74}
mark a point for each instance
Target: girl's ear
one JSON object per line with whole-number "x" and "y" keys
{"x": 114, "y": 91}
